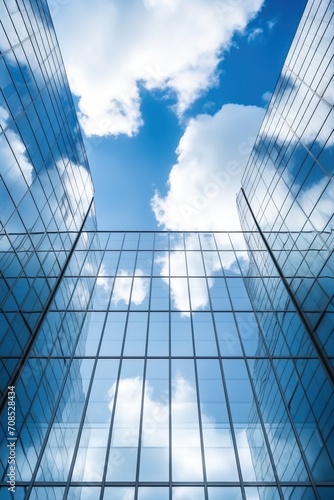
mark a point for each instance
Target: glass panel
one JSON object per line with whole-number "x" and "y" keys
{"x": 42, "y": 492}
{"x": 113, "y": 334}
{"x": 84, "y": 492}
{"x": 94, "y": 434}
{"x": 186, "y": 446}
{"x": 158, "y": 336}
{"x": 127, "y": 397}
{"x": 90, "y": 334}
{"x": 259, "y": 493}
{"x": 218, "y": 447}
{"x": 154, "y": 456}
{"x": 180, "y": 294}
{"x": 188, "y": 493}
{"x": 204, "y": 334}
{"x": 181, "y": 336}
{"x": 160, "y": 294}
{"x": 224, "y": 492}
{"x": 153, "y": 493}
{"x": 227, "y": 333}
{"x": 198, "y": 293}
{"x": 254, "y": 459}
{"x": 136, "y": 332}
{"x": 59, "y": 450}
{"x": 119, "y": 493}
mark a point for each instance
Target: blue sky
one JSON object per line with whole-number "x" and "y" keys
{"x": 172, "y": 90}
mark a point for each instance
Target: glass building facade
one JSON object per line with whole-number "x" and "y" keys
{"x": 164, "y": 365}
{"x": 46, "y": 191}
{"x": 288, "y": 182}
{"x": 154, "y": 376}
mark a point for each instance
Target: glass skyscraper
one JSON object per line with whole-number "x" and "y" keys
{"x": 46, "y": 191}
{"x": 165, "y": 365}
{"x": 289, "y": 177}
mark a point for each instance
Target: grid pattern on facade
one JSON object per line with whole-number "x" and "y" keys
{"x": 153, "y": 374}
{"x": 288, "y": 180}
{"x": 156, "y": 365}
{"x": 45, "y": 182}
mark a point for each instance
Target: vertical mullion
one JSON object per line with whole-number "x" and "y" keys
{"x": 170, "y": 376}
{"x": 144, "y": 376}
{"x": 105, "y": 467}
{"x": 196, "y": 375}
{"x": 120, "y": 365}
{"x": 228, "y": 408}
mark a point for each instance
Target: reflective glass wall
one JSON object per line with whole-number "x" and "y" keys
{"x": 165, "y": 365}
{"x": 154, "y": 377}
{"x": 45, "y": 184}
{"x": 288, "y": 184}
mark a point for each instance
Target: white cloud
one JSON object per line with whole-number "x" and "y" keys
{"x": 102, "y": 280}
{"x": 272, "y": 23}
{"x": 179, "y": 285}
{"x": 203, "y": 184}
{"x": 19, "y": 176}
{"x": 185, "y": 437}
{"x": 8, "y": 15}
{"x": 266, "y": 96}
{"x": 298, "y": 108}
{"x": 111, "y": 48}
{"x": 254, "y": 34}
{"x": 300, "y": 119}
{"x": 122, "y": 287}
{"x": 71, "y": 182}
{"x": 219, "y": 454}
{"x": 15, "y": 166}
{"x": 314, "y": 202}
{"x": 198, "y": 282}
